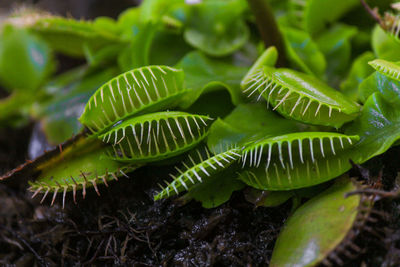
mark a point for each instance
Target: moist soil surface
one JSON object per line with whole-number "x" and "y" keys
{"x": 124, "y": 226}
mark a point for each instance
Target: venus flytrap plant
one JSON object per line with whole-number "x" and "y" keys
{"x": 22, "y": 52}
{"x": 123, "y": 136}
{"x": 301, "y": 97}
{"x": 314, "y": 15}
{"x": 392, "y": 25}
{"x": 207, "y": 168}
{"x": 156, "y": 136}
{"x": 347, "y": 217}
{"x": 303, "y": 52}
{"x": 296, "y": 160}
{"x": 59, "y": 31}
{"x": 384, "y": 80}
{"x": 138, "y": 91}
{"x": 76, "y": 171}
{"x": 300, "y": 133}
{"x": 387, "y": 68}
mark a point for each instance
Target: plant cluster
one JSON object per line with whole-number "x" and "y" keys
{"x": 192, "y": 86}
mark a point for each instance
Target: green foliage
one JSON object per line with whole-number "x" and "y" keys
{"x": 58, "y": 114}
{"x": 156, "y": 136}
{"x": 302, "y": 97}
{"x": 335, "y": 45}
{"x": 216, "y": 191}
{"x": 237, "y": 129}
{"x": 204, "y": 74}
{"x": 378, "y": 127}
{"x": 389, "y": 69}
{"x": 303, "y": 52}
{"x": 332, "y": 221}
{"x": 384, "y": 46}
{"x": 314, "y": 15}
{"x": 70, "y": 36}
{"x": 144, "y": 89}
{"x": 296, "y": 160}
{"x": 216, "y": 27}
{"x": 207, "y": 168}
{"x": 25, "y": 61}
{"x": 358, "y": 72}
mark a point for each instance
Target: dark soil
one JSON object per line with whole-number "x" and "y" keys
{"x": 125, "y": 227}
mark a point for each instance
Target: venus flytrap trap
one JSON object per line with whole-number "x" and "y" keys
{"x": 123, "y": 135}
{"x": 133, "y": 92}
{"x": 296, "y": 160}
{"x": 156, "y": 136}
{"x": 387, "y": 68}
{"x": 314, "y": 15}
{"x": 392, "y": 25}
{"x": 77, "y": 170}
{"x": 207, "y": 168}
{"x": 302, "y": 97}
{"x": 59, "y": 31}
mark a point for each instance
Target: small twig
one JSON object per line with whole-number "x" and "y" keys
{"x": 268, "y": 28}
{"x": 372, "y": 13}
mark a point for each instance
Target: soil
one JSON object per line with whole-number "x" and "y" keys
{"x": 124, "y": 227}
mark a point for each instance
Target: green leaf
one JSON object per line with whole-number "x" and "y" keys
{"x": 297, "y": 160}
{"x": 79, "y": 166}
{"x": 358, "y": 72}
{"x": 384, "y": 46}
{"x": 59, "y": 116}
{"x": 267, "y": 198}
{"x": 107, "y": 24}
{"x": 267, "y": 58}
{"x": 207, "y": 168}
{"x": 388, "y": 87}
{"x": 136, "y": 54}
{"x": 217, "y": 27}
{"x": 369, "y": 85}
{"x": 156, "y": 136}
{"x": 302, "y": 97}
{"x": 314, "y": 15}
{"x": 388, "y": 68}
{"x": 104, "y": 55}
{"x": 246, "y": 123}
{"x": 127, "y": 22}
{"x": 319, "y": 227}
{"x": 303, "y": 52}
{"x": 153, "y": 10}
{"x": 335, "y": 45}
{"x": 141, "y": 90}
{"x": 69, "y": 36}
{"x": 177, "y": 48}
{"x": 378, "y": 127}
{"x": 25, "y": 60}
{"x": 203, "y": 74}
{"x": 276, "y": 198}
{"x": 215, "y": 102}
{"x": 216, "y": 191}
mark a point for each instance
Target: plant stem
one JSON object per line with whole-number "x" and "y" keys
{"x": 372, "y": 13}
{"x": 268, "y": 27}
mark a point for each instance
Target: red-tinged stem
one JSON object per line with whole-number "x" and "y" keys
{"x": 372, "y": 13}
{"x": 268, "y": 27}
